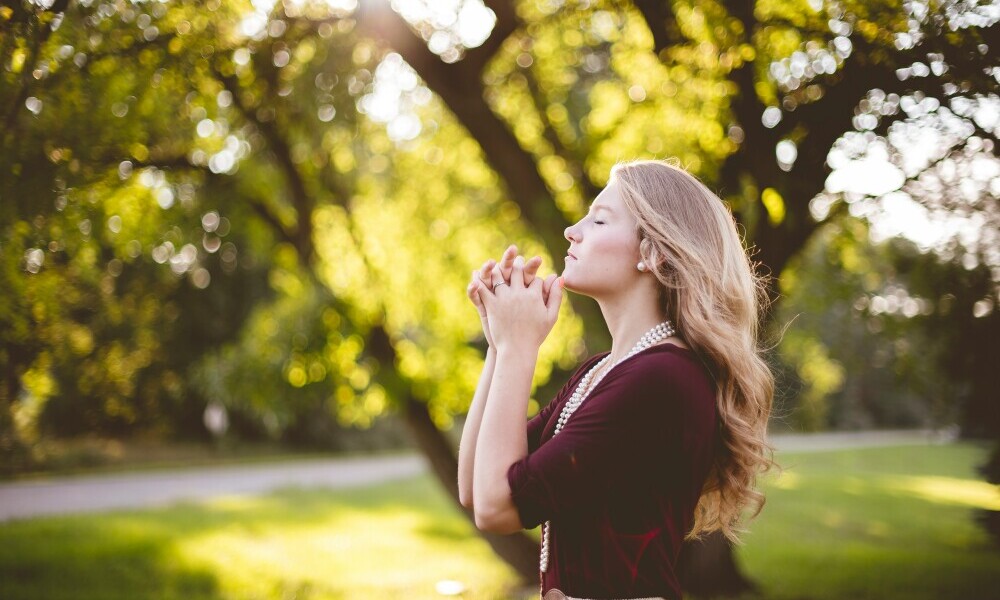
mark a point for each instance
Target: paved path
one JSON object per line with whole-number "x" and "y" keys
{"x": 837, "y": 440}
{"x": 92, "y": 493}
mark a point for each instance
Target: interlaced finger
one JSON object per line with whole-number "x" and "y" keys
{"x": 547, "y": 286}
{"x": 486, "y": 272}
{"x": 517, "y": 273}
{"x": 498, "y": 278}
{"x": 507, "y": 263}
{"x": 473, "y": 293}
{"x": 531, "y": 269}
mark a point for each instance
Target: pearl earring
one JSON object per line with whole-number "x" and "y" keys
{"x": 641, "y": 266}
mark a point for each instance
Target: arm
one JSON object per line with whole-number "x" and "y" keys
{"x": 470, "y": 431}
{"x": 520, "y": 317}
{"x": 503, "y": 440}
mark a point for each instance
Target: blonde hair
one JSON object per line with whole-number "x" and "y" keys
{"x": 688, "y": 239}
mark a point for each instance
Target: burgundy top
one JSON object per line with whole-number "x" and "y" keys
{"x": 621, "y": 480}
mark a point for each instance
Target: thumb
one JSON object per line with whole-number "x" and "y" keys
{"x": 547, "y": 284}
{"x": 555, "y": 299}
{"x": 477, "y": 301}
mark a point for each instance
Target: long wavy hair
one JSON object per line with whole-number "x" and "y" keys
{"x": 688, "y": 239}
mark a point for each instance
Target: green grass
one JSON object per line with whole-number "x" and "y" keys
{"x": 882, "y": 523}
{"x": 879, "y": 523}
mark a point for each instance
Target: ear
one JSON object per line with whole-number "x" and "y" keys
{"x": 648, "y": 255}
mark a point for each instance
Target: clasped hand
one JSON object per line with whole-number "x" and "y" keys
{"x": 517, "y": 308}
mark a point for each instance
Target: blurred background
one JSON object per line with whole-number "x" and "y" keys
{"x": 235, "y": 238}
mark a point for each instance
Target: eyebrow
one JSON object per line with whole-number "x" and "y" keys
{"x": 597, "y": 207}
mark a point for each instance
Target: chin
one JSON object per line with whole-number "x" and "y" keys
{"x": 593, "y": 287}
{"x": 571, "y": 279}
{"x": 570, "y": 283}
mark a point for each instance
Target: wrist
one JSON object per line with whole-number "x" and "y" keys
{"x": 517, "y": 353}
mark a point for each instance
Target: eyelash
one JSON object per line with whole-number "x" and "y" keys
{"x": 598, "y": 222}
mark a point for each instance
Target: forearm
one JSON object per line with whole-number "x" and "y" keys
{"x": 503, "y": 438}
{"x": 470, "y": 431}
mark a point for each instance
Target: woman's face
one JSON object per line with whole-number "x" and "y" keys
{"x": 604, "y": 247}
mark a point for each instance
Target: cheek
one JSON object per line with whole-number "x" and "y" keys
{"x": 618, "y": 246}
{"x": 614, "y": 254}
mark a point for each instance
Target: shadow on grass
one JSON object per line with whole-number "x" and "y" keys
{"x": 101, "y": 558}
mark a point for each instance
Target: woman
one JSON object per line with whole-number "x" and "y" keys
{"x": 656, "y": 441}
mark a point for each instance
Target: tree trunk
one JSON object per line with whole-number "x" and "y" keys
{"x": 517, "y": 550}
{"x": 708, "y": 568}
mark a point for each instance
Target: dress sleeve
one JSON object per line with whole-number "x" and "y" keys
{"x": 628, "y": 433}
{"x": 537, "y": 423}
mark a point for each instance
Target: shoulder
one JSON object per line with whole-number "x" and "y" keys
{"x": 661, "y": 378}
{"x": 667, "y": 364}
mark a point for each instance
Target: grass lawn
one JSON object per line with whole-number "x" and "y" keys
{"x": 879, "y": 523}
{"x": 883, "y": 523}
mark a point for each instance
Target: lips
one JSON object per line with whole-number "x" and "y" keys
{"x": 571, "y": 255}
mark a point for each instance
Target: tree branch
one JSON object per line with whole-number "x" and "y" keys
{"x": 460, "y": 87}
{"x": 662, "y": 22}
{"x": 259, "y": 206}
{"x": 301, "y": 199}
{"x": 588, "y": 188}
{"x": 507, "y": 23}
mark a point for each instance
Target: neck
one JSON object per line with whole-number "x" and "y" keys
{"x": 628, "y": 318}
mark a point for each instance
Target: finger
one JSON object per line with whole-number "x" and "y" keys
{"x": 486, "y": 297}
{"x": 486, "y": 271}
{"x": 536, "y": 287}
{"x": 517, "y": 273}
{"x": 507, "y": 261}
{"x": 531, "y": 269}
{"x": 473, "y": 292}
{"x": 496, "y": 276}
{"x": 555, "y": 299}
{"x": 547, "y": 286}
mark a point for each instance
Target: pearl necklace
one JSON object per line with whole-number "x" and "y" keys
{"x": 652, "y": 337}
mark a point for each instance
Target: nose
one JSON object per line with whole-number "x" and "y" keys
{"x": 571, "y": 234}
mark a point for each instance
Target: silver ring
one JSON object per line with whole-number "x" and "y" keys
{"x": 498, "y": 284}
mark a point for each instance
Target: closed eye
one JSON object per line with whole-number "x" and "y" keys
{"x": 598, "y": 222}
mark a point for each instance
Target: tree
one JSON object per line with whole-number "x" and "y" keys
{"x": 801, "y": 111}
{"x": 882, "y": 335}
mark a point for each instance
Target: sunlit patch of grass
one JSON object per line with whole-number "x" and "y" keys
{"x": 948, "y": 490}
{"x": 387, "y": 550}
{"x": 786, "y": 480}
{"x": 396, "y": 540}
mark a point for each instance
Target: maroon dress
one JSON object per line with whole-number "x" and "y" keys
{"x": 621, "y": 480}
